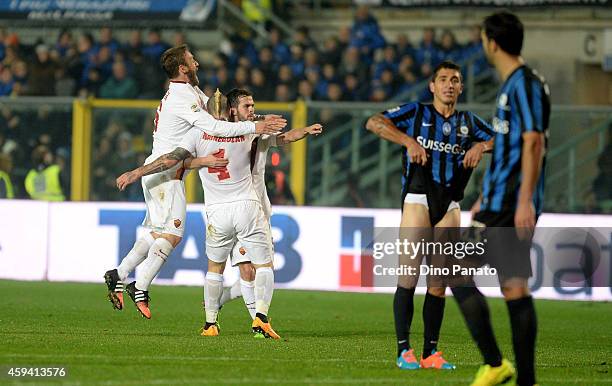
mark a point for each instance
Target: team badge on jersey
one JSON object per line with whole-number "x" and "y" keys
{"x": 177, "y": 223}
{"x": 446, "y": 128}
{"x": 242, "y": 251}
{"x": 502, "y": 102}
{"x": 195, "y": 108}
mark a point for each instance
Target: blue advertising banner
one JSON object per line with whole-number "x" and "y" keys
{"x": 193, "y": 10}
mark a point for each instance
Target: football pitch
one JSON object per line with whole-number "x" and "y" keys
{"x": 328, "y": 338}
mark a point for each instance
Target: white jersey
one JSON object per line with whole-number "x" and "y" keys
{"x": 182, "y": 108}
{"x": 264, "y": 142}
{"x": 226, "y": 184}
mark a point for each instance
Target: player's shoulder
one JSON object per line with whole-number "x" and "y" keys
{"x": 404, "y": 108}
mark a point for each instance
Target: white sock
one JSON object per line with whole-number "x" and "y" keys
{"x": 264, "y": 288}
{"x": 135, "y": 256}
{"x": 158, "y": 254}
{"x": 248, "y": 295}
{"x": 212, "y": 294}
{"x": 230, "y": 293}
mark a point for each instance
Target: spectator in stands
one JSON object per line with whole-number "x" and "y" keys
{"x": 260, "y": 85}
{"x": 6, "y": 82}
{"x": 378, "y": 94}
{"x": 64, "y": 43}
{"x": 65, "y": 85}
{"x": 42, "y": 71}
{"x": 87, "y": 57}
{"x": 155, "y": 46}
{"x": 344, "y": 38}
{"x": 266, "y": 62}
{"x": 133, "y": 46}
{"x": 119, "y": 85}
{"x": 149, "y": 77}
{"x": 332, "y": 52}
{"x": 179, "y": 38}
{"x": 43, "y": 180}
{"x": 241, "y": 78}
{"x": 283, "y": 93}
{"x": 107, "y": 40}
{"x": 427, "y": 52}
{"x": 365, "y": 34}
{"x": 285, "y": 76}
{"x": 297, "y": 60}
{"x": 387, "y": 61}
{"x": 305, "y": 90}
{"x": 449, "y": 49}
{"x": 473, "y": 50}
{"x": 104, "y": 62}
{"x": 351, "y": 64}
{"x": 354, "y": 91}
{"x": 403, "y": 46}
{"x": 280, "y": 50}
{"x": 6, "y": 185}
{"x": 222, "y": 80}
{"x": 20, "y": 76}
{"x": 303, "y": 38}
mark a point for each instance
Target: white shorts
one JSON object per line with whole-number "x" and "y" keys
{"x": 166, "y": 204}
{"x": 413, "y": 198}
{"x": 243, "y": 221}
{"x": 239, "y": 255}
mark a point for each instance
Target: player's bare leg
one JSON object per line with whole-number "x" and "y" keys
{"x": 116, "y": 278}
{"x": 264, "y": 289}
{"x": 433, "y": 307}
{"x": 138, "y": 290}
{"x": 415, "y": 220}
{"x": 212, "y": 295}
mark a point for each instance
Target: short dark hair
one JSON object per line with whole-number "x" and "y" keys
{"x": 448, "y": 65}
{"x": 233, "y": 97}
{"x": 506, "y": 30}
{"x": 172, "y": 58}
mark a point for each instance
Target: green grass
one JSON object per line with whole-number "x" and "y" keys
{"x": 328, "y": 338}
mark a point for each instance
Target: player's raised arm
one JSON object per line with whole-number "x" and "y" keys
{"x": 161, "y": 164}
{"x": 384, "y": 128}
{"x": 298, "y": 134}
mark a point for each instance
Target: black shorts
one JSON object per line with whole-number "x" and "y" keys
{"x": 503, "y": 249}
{"x": 439, "y": 197}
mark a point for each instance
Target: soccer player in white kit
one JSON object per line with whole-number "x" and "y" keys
{"x": 242, "y": 108}
{"x": 233, "y": 211}
{"x": 181, "y": 109}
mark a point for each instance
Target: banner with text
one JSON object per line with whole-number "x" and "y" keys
{"x": 315, "y": 248}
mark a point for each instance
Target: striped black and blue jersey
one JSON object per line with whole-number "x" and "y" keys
{"x": 446, "y": 140}
{"x": 523, "y": 105}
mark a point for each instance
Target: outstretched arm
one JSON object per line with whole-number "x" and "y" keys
{"x": 298, "y": 133}
{"x": 161, "y": 164}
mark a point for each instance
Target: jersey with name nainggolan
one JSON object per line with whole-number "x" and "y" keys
{"x": 523, "y": 105}
{"x": 446, "y": 140}
{"x": 230, "y": 183}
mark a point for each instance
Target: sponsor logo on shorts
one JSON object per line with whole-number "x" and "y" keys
{"x": 440, "y": 146}
{"x": 177, "y": 223}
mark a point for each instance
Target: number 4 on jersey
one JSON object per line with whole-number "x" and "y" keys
{"x": 223, "y": 173}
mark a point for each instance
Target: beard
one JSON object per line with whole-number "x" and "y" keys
{"x": 193, "y": 78}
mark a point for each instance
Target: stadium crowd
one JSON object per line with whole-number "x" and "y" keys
{"x": 357, "y": 64}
